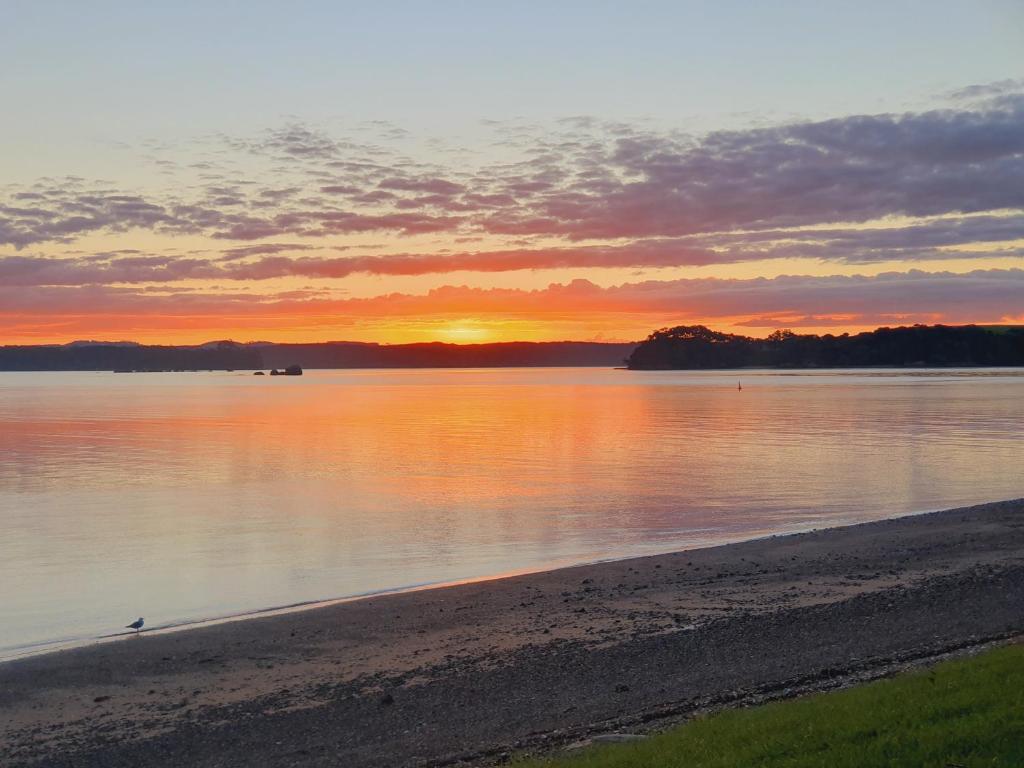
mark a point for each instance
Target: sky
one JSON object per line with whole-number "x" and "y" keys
{"x": 483, "y": 171}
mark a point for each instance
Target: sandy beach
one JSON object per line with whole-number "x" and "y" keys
{"x": 476, "y": 672}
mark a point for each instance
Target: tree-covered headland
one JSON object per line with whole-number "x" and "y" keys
{"x": 695, "y": 346}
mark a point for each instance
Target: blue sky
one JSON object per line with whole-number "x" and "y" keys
{"x": 81, "y": 73}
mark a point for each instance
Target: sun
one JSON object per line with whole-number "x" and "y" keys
{"x": 463, "y": 333}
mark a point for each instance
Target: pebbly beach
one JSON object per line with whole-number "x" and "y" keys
{"x": 479, "y": 672}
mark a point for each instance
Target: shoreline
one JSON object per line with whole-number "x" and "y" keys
{"x": 553, "y": 656}
{"x": 60, "y": 646}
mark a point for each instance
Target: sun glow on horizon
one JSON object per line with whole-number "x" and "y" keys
{"x": 464, "y": 333}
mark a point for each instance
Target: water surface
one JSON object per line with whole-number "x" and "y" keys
{"x": 180, "y": 497}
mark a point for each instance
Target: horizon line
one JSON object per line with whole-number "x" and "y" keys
{"x": 128, "y": 342}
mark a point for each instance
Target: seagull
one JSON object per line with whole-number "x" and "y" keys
{"x": 136, "y": 625}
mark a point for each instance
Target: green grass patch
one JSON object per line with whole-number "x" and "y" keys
{"x": 968, "y": 712}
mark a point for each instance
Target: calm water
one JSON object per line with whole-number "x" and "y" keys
{"x": 187, "y": 496}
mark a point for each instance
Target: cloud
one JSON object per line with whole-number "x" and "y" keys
{"x": 64, "y": 213}
{"x": 956, "y": 237}
{"x": 264, "y": 261}
{"x": 434, "y": 186}
{"x": 915, "y": 296}
{"x": 640, "y": 254}
{"x": 44, "y": 271}
{"x": 991, "y": 94}
{"x": 263, "y": 249}
{"x": 299, "y": 141}
{"x": 581, "y": 180}
{"x": 110, "y": 268}
{"x": 958, "y": 297}
{"x": 850, "y": 169}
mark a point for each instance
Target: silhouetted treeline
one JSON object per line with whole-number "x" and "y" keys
{"x": 439, "y": 355}
{"x": 695, "y": 346}
{"x": 93, "y": 356}
{"x": 84, "y": 356}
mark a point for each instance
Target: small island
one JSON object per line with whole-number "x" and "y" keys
{"x": 917, "y": 346}
{"x": 291, "y": 370}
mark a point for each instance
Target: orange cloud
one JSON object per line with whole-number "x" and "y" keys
{"x": 578, "y": 310}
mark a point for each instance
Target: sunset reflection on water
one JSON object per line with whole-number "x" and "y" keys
{"x": 186, "y": 496}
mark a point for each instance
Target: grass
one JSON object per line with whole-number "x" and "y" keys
{"x": 968, "y": 712}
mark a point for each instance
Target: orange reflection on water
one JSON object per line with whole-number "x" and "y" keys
{"x": 184, "y": 496}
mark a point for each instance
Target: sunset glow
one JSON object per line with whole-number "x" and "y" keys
{"x": 300, "y": 222}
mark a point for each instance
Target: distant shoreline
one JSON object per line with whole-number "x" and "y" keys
{"x": 681, "y": 348}
{"x": 553, "y": 656}
{"x": 224, "y": 355}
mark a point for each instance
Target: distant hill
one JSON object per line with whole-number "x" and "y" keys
{"x": 438, "y": 355}
{"x": 695, "y": 346}
{"x": 101, "y": 344}
{"x": 102, "y": 356}
{"x": 222, "y": 355}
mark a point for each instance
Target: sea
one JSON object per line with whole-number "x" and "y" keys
{"x": 190, "y": 497}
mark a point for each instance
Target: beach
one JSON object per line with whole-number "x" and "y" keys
{"x": 477, "y": 672}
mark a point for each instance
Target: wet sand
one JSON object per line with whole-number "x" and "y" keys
{"x": 475, "y": 672}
